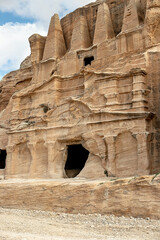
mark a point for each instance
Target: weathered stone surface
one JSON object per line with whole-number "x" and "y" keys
{"x": 80, "y": 35}
{"x": 130, "y": 20}
{"x": 104, "y": 29}
{"x": 138, "y": 197}
{"x": 13, "y": 82}
{"x": 26, "y": 63}
{"x": 37, "y": 44}
{"x": 55, "y": 45}
{"x": 93, "y": 82}
{"x": 152, "y": 23}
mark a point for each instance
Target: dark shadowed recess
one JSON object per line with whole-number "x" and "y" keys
{"x": 76, "y": 158}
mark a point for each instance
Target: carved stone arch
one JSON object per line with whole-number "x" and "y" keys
{"x": 126, "y": 154}
{"x": 94, "y": 163}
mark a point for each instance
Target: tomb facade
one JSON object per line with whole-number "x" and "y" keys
{"x": 86, "y": 102}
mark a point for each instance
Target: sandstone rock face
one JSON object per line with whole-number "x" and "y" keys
{"x": 137, "y": 197}
{"x": 104, "y": 29}
{"x": 152, "y": 25}
{"x": 55, "y": 45}
{"x": 93, "y": 83}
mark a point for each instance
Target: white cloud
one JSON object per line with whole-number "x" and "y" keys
{"x": 40, "y": 10}
{"x": 14, "y": 46}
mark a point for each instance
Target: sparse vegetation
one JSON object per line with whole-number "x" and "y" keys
{"x": 155, "y": 176}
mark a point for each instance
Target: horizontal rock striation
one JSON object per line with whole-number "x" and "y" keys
{"x": 137, "y": 197}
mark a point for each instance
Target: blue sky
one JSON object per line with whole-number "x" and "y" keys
{"x": 19, "y": 19}
{"x": 12, "y": 17}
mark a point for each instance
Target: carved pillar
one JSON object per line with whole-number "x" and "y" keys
{"x": 34, "y": 162}
{"x": 121, "y": 43}
{"x": 51, "y": 163}
{"x": 55, "y": 159}
{"x": 143, "y": 156}
{"x": 139, "y": 99}
{"x": 111, "y": 164}
{"x": 9, "y": 170}
{"x": 112, "y": 92}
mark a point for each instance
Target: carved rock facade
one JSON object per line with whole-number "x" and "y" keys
{"x": 93, "y": 83}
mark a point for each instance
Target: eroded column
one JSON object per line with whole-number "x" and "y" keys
{"x": 143, "y": 156}
{"x": 33, "y": 167}
{"x": 139, "y": 101}
{"x": 9, "y": 170}
{"x": 111, "y": 163}
{"x": 56, "y": 158}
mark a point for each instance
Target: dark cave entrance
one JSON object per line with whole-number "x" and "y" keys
{"x": 77, "y": 157}
{"x": 3, "y": 155}
{"x": 88, "y": 60}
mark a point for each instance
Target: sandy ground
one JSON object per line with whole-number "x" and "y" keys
{"x": 40, "y": 225}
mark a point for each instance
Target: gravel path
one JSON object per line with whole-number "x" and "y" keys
{"x": 39, "y": 225}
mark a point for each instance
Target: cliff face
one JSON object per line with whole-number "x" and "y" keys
{"x": 92, "y": 82}
{"x": 116, "y": 9}
{"x": 86, "y": 105}
{"x": 7, "y": 85}
{"x": 15, "y": 81}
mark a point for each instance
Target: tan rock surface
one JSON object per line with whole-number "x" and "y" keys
{"x": 86, "y": 102}
{"x": 138, "y": 197}
{"x": 104, "y": 29}
{"x": 111, "y": 99}
{"x": 55, "y": 45}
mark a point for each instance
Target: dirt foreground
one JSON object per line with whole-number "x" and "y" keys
{"x": 41, "y": 225}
